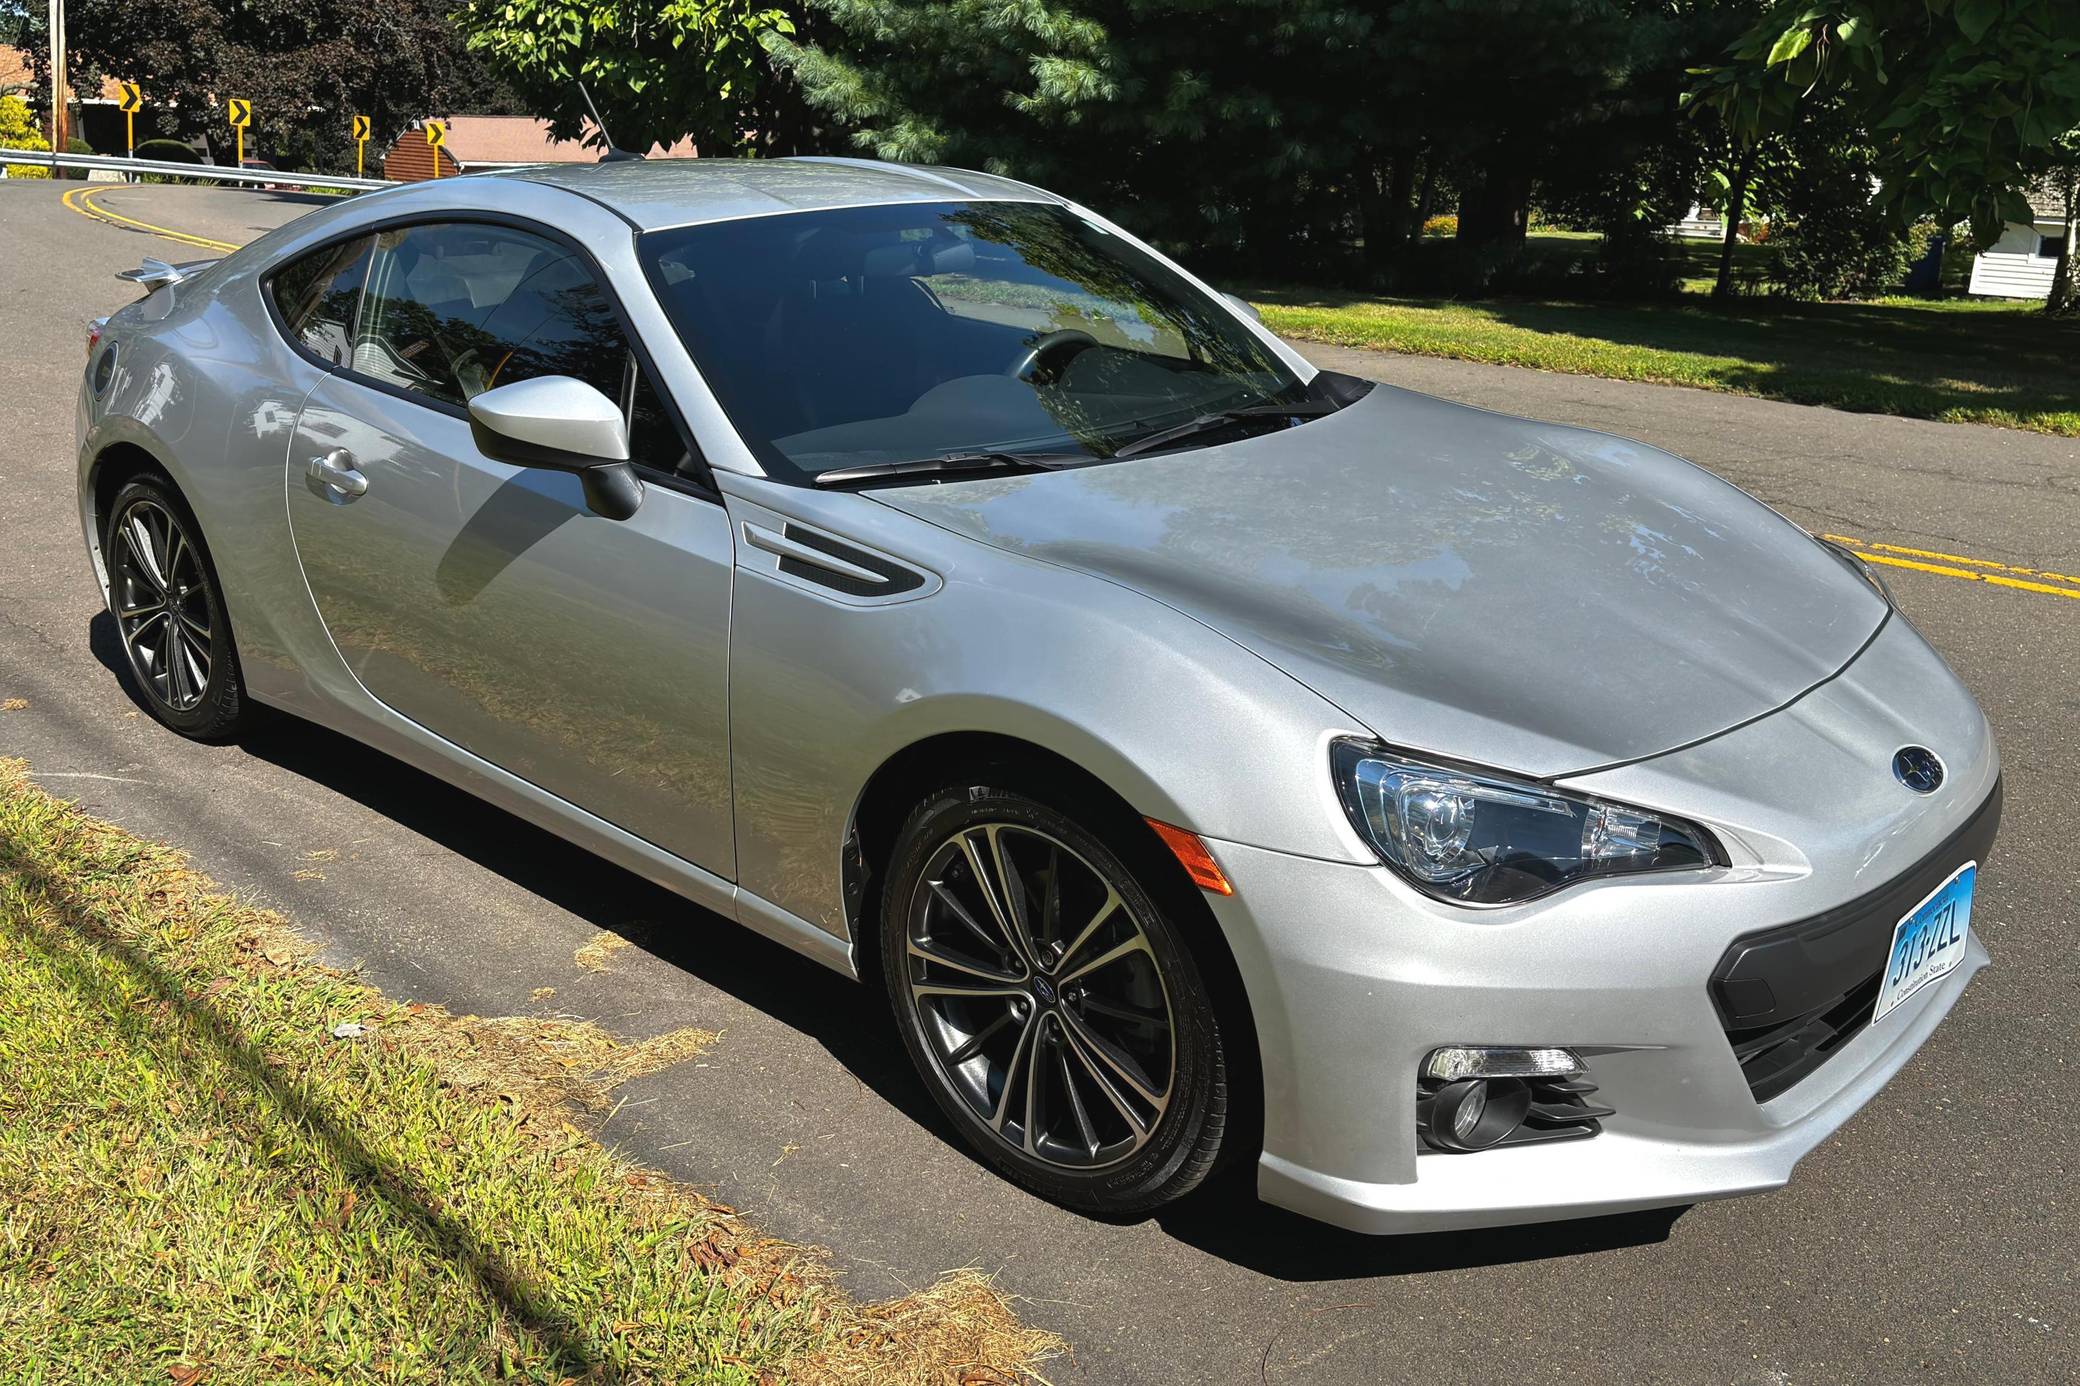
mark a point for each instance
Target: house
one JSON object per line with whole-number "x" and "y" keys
{"x": 17, "y": 79}
{"x": 2019, "y": 264}
{"x": 475, "y": 143}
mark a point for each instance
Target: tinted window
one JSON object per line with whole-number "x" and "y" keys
{"x": 317, "y": 295}
{"x": 882, "y": 334}
{"x": 453, "y": 310}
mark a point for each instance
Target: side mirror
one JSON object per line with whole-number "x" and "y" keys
{"x": 1242, "y": 304}
{"x": 562, "y": 425}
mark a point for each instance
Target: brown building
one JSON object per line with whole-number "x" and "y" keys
{"x": 481, "y": 142}
{"x": 17, "y": 79}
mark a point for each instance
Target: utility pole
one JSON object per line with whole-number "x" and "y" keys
{"x": 58, "y": 131}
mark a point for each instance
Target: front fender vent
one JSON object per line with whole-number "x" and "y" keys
{"x": 809, "y": 556}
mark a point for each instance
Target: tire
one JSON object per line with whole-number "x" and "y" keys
{"x": 1132, "y": 1103}
{"x": 163, "y": 588}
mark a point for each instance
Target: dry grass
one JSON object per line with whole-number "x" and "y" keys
{"x": 223, "y": 1161}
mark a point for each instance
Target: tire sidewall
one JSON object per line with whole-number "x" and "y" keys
{"x": 217, "y": 713}
{"x": 1144, "y": 1179}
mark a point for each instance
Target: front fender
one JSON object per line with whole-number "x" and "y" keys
{"x": 1183, "y": 724}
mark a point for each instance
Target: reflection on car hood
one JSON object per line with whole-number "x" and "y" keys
{"x": 1523, "y": 595}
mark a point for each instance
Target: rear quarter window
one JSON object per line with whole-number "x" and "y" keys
{"x": 316, "y": 297}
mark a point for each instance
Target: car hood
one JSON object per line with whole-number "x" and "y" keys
{"x": 1523, "y": 595}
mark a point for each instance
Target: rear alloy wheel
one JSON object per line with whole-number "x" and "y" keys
{"x": 170, "y": 613}
{"x": 1051, "y": 1004}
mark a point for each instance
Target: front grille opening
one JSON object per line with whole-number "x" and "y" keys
{"x": 1791, "y": 997}
{"x": 1774, "y": 1057}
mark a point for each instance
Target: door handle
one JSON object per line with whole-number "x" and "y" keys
{"x": 334, "y": 477}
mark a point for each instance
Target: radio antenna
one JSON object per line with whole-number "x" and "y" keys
{"x": 614, "y": 154}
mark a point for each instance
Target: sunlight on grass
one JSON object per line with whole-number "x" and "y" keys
{"x": 1958, "y": 361}
{"x": 220, "y": 1157}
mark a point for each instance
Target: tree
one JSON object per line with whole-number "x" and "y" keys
{"x": 306, "y": 65}
{"x": 1130, "y": 105}
{"x": 2061, "y": 182}
{"x": 659, "y": 70}
{"x": 1966, "y": 96}
{"x": 1267, "y": 135}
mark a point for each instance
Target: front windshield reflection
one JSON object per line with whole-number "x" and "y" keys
{"x": 884, "y": 334}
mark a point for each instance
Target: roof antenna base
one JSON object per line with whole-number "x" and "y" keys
{"x": 615, "y": 154}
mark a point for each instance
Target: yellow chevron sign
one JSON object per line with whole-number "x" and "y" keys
{"x": 360, "y": 127}
{"x": 436, "y": 133}
{"x": 240, "y": 112}
{"x": 133, "y": 98}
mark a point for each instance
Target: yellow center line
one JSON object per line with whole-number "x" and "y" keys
{"x": 1864, "y": 551}
{"x": 80, "y": 200}
{"x": 1954, "y": 558}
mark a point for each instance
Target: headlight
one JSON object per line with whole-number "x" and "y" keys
{"x": 1479, "y": 839}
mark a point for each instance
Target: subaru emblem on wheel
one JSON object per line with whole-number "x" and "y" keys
{"x": 1442, "y": 818}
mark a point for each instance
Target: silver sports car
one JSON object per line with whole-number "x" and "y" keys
{"x": 1215, "y": 759}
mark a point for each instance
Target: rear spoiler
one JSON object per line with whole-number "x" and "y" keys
{"x": 153, "y": 274}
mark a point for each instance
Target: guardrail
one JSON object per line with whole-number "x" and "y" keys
{"x": 208, "y": 172}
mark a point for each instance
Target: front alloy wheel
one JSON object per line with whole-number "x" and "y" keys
{"x": 1051, "y": 1004}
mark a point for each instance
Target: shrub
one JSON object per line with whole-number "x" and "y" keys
{"x": 75, "y": 145}
{"x": 18, "y": 131}
{"x": 168, "y": 152}
{"x": 1446, "y": 225}
{"x": 1843, "y": 251}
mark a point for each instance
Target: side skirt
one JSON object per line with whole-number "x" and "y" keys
{"x": 391, "y": 734}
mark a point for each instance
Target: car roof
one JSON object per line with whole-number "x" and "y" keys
{"x": 683, "y": 192}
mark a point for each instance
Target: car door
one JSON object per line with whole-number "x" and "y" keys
{"x": 486, "y": 602}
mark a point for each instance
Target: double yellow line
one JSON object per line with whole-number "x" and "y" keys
{"x": 1946, "y": 565}
{"x": 81, "y": 200}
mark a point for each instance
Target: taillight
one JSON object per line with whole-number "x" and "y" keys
{"x": 94, "y": 334}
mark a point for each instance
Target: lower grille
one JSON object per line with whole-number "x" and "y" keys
{"x": 1792, "y": 996}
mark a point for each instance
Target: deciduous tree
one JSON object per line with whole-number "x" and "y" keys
{"x": 659, "y": 70}
{"x": 306, "y": 65}
{"x": 1965, "y": 97}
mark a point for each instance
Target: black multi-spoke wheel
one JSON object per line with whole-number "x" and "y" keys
{"x": 169, "y": 613}
{"x": 1049, "y": 1001}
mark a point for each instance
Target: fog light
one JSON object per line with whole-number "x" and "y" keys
{"x": 1473, "y": 1096}
{"x": 1477, "y": 1112}
{"x": 1456, "y": 1061}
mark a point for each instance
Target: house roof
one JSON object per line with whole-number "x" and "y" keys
{"x": 2046, "y": 203}
{"x": 477, "y": 140}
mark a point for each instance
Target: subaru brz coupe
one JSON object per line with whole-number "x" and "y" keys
{"x": 1215, "y": 759}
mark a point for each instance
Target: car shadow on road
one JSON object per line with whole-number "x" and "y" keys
{"x": 1226, "y": 1220}
{"x": 850, "y": 1021}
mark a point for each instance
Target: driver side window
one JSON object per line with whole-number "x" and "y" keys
{"x": 454, "y": 309}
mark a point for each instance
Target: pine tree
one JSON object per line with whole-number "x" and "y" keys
{"x": 1263, "y": 134}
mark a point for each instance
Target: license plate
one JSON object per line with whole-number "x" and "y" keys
{"x": 1929, "y": 942}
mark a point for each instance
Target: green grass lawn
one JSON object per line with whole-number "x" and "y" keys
{"x": 204, "y": 1178}
{"x": 1962, "y": 360}
{"x": 1966, "y": 361}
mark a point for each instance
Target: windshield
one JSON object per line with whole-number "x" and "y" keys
{"x": 871, "y": 335}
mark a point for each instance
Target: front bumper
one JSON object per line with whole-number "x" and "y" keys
{"x": 1353, "y": 977}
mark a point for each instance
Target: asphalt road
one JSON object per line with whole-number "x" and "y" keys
{"x": 1934, "y": 1237}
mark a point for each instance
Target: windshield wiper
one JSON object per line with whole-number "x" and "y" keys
{"x": 1225, "y": 418}
{"x": 951, "y": 464}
